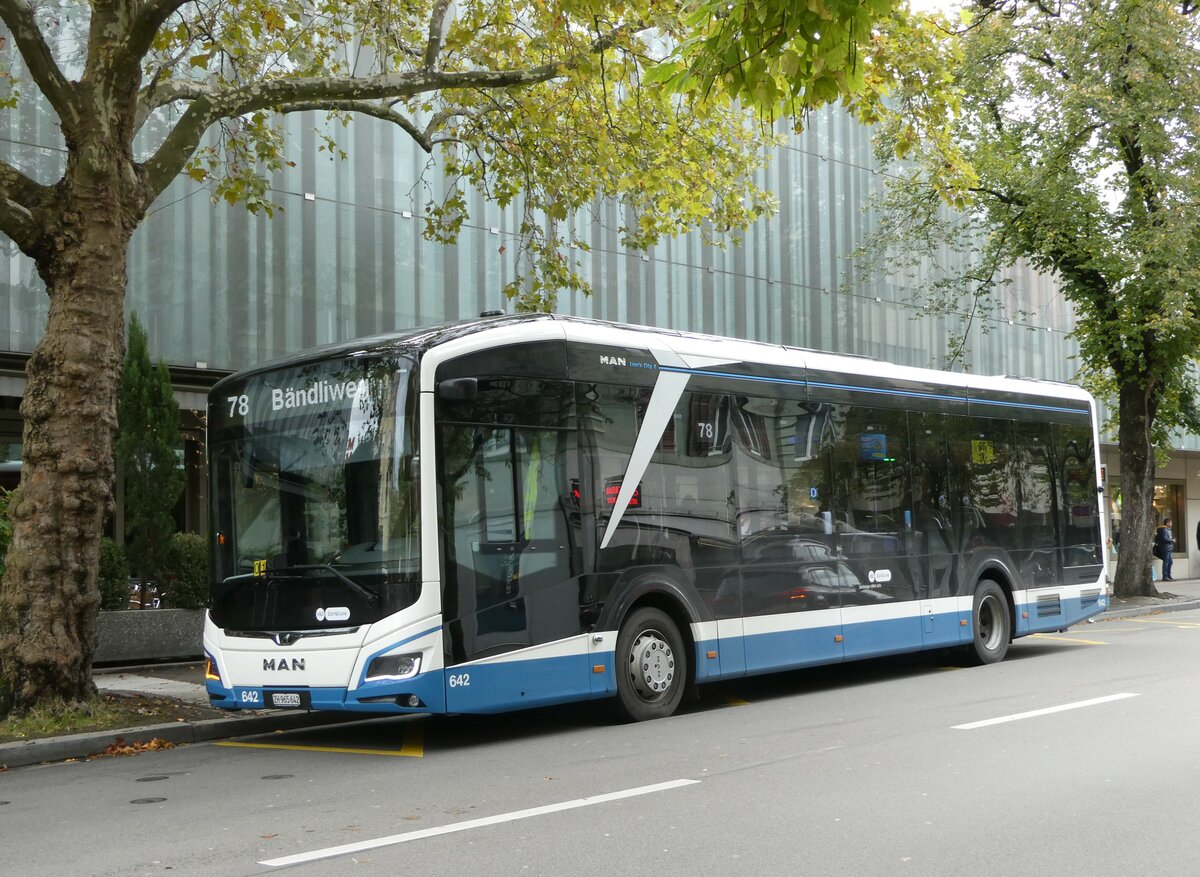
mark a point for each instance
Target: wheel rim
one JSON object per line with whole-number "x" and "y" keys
{"x": 990, "y": 622}
{"x": 651, "y": 665}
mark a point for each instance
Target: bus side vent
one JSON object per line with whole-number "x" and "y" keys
{"x": 1089, "y": 598}
{"x": 1049, "y": 605}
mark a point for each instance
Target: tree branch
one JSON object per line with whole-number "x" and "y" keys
{"x": 278, "y": 94}
{"x": 142, "y": 31}
{"x": 180, "y": 145}
{"x": 21, "y": 201}
{"x": 437, "y": 32}
{"x": 367, "y": 108}
{"x": 209, "y": 104}
{"x": 18, "y": 15}
{"x": 1003, "y": 197}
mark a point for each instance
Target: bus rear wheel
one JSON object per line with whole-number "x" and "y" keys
{"x": 991, "y": 623}
{"x": 651, "y": 666}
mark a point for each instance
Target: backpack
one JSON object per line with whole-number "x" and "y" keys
{"x": 1159, "y": 543}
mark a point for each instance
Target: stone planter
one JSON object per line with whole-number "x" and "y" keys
{"x": 135, "y": 636}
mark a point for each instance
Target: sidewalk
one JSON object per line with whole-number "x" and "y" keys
{"x": 184, "y": 682}
{"x": 1175, "y": 596}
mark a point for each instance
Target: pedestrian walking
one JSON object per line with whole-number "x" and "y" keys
{"x": 1164, "y": 543}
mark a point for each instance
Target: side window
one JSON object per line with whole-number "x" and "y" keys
{"x": 685, "y": 490}
{"x": 933, "y": 481}
{"x": 782, "y": 468}
{"x": 1037, "y": 496}
{"x": 871, "y": 495}
{"x": 785, "y": 526}
{"x": 872, "y": 500}
{"x": 982, "y": 451}
{"x": 1079, "y": 511}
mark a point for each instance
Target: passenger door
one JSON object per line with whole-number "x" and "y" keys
{"x": 510, "y": 561}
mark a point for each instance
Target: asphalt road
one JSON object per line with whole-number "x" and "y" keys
{"x": 891, "y": 767}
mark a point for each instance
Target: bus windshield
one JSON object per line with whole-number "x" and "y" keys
{"x": 314, "y": 482}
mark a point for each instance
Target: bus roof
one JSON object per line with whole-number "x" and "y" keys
{"x": 696, "y": 347}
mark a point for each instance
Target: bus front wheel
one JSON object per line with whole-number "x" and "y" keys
{"x": 991, "y": 623}
{"x": 651, "y": 666}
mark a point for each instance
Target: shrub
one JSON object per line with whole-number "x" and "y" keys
{"x": 145, "y": 450}
{"x": 114, "y": 576}
{"x": 185, "y": 572}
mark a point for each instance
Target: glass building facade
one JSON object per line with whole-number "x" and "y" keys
{"x": 345, "y": 258}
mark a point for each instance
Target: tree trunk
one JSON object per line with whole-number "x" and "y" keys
{"x": 1137, "y": 491}
{"x": 49, "y": 596}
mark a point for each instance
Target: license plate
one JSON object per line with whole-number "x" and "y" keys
{"x": 286, "y": 699}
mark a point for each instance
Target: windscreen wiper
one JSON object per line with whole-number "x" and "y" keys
{"x": 366, "y": 593}
{"x": 239, "y": 581}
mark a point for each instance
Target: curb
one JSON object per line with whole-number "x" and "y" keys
{"x": 48, "y": 749}
{"x": 1149, "y": 609}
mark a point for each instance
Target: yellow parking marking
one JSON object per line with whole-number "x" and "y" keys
{"x": 736, "y": 701}
{"x": 1181, "y": 624}
{"x": 1068, "y": 639}
{"x": 414, "y": 747}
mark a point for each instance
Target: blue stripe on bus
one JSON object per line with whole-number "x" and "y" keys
{"x": 1072, "y": 611}
{"x": 507, "y": 685}
{"x": 518, "y": 684}
{"x": 943, "y": 397}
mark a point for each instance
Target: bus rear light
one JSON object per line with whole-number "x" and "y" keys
{"x": 394, "y": 667}
{"x": 210, "y": 669}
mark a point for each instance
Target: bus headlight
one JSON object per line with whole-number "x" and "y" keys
{"x": 394, "y": 667}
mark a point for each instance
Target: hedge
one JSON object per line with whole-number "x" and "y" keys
{"x": 185, "y": 573}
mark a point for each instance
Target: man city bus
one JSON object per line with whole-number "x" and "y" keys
{"x": 519, "y": 511}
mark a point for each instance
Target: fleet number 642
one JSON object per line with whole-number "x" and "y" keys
{"x": 459, "y": 680}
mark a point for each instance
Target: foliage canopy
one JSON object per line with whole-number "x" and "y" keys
{"x": 1076, "y": 131}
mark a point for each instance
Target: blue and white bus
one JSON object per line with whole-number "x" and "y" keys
{"x": 527, "y": 510}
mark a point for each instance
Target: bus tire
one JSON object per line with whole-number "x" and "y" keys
{"x": 991, "y": 624}
{"x": 651, "y": 666}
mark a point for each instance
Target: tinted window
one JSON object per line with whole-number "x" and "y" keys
{"x": 679, "y": 520}
{"x": 872, "y": 497}
{"x": 508, "y": 473}
{"x": 1079, "y": 509}
{"x": 981, "y": 450}
{"x": 1037, "y": 523}
{"x": 935, "y": 536}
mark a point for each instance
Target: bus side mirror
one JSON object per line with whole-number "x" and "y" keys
{"x": 458, "y": 389}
